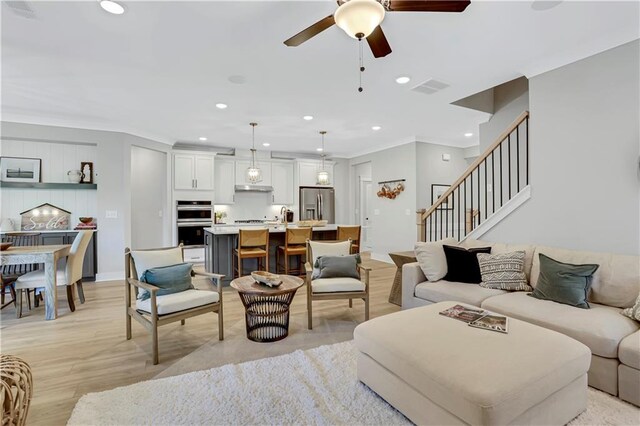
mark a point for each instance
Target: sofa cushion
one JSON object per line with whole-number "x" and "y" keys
{"x": 319, "y": 248}
{"x": 431, "y": 258}
{"x": 601, "y": 328}
{"x": 337, "y": 267}
{"x": 629, "y": 350}
{"x": 441, "y": 291}
{"x": 615, "y": 283}
{"x": 176, "y": 302}
{"x": 169, "y": 279}
{"x": 564, "y": 282}
{"x": 332, "y": 285}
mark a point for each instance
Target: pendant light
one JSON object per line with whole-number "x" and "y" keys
{"x": 323, "y": 175}
{"x": 254, "y": 174}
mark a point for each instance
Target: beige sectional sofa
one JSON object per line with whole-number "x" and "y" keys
{"x": 614, "y": 339}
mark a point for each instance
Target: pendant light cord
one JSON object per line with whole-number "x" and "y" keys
{"x": 361, "y": 63}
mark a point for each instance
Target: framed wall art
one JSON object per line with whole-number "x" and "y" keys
{"x": 437, "y": 190}
{"x": 17, "y": 169}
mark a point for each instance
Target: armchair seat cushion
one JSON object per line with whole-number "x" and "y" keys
{"x": 35, "y": 279}
{"x": 175, "y": 302}
{"x": 334, "y": 285}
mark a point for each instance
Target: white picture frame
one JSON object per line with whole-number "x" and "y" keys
{"x": 18, "y": 169}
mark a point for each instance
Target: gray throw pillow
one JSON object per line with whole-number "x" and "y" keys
{"x": 170, "y": 279}
{"x": 503, "y": 271}
{"x": 564, "y": 282}
{"x": 337, "y": 267}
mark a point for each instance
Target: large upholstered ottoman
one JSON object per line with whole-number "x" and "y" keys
{"x": 437, "y": 370}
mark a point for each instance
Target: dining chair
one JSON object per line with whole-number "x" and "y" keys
{"x": 295, "y": 244}
{"x": 69, "y": 276}
{"x": 337, "y": 287}
{"x": 350, "y": 233}
{"x": 164, "y": 309}
{"x": 252, "y": 244}
{"x": 10, "y": 273}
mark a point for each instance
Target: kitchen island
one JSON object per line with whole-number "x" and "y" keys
{"x": 221, "y": 240}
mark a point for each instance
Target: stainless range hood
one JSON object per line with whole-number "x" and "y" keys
{"x": 254, "y": 188}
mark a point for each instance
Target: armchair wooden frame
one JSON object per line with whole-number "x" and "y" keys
{"x": 151, "y": 320}
{"x": 363, "y": 271}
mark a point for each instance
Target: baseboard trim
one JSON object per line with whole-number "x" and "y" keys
{"x": 110, "y": 276}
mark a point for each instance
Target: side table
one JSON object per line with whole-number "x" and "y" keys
{"x": 399, "y": 258}
{"x": 267, "y": 308}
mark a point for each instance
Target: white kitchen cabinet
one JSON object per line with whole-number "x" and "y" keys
{"x": 241, "y": 172}
{"x": 225, "y": 172}
{"x": 193, "y": 172}
{"x": 282, "y": 182}
{"x": 308, "y": 172}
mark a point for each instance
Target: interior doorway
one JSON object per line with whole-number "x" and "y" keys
{"x": 366, "y": 189}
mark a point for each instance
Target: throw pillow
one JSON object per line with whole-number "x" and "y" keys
{"x": 634, "y": 311}
{"x": 503, "y": 271}
{"x": 431, "y": 258}
{"x": 170, "y": 279}
{"x": 564, "y": 282}
{"x": 462, "y": 264}
{"x": 337, "y": 267}
{"x": 147, "y": 259}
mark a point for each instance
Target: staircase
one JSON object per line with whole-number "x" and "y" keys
{"x": 491, "y": 188}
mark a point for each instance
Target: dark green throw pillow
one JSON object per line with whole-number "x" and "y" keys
{"x": 170, "y": 279}
{"x": 564, "y": 282}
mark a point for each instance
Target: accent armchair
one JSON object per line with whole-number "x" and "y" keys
{"x": 334, "y": 288}
{"x": 164, "y": 309}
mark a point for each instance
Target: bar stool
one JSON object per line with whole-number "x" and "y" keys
{"x": 350, "y": 232}
{"x": 295, "y": 244}
{"x": 252, "y": 244}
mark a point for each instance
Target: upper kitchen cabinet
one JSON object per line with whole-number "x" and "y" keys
{"x": 225, "y": 172}
{"x": 241, "y": 172}
{"x": 282, "y": 182}
{"x": 193, "y": 172}
{"x": 308, "y": 172}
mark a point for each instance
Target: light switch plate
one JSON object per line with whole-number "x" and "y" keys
{"x": 376, "y": 212}
{"x": 446, "y": 157}
{"x": 407, "y": 212}
{"x": 111, "y": 214}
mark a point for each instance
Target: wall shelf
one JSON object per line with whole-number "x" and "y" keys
{"x": 49, "y": 185}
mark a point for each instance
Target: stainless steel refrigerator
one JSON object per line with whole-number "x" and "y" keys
{"x": 317, "y": 203}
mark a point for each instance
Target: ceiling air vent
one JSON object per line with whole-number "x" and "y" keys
{"x": 21, "y": 8}
{"x": 430, "y": 86}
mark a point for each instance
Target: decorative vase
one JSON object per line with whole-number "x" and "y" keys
{"x": 75, "y": 176}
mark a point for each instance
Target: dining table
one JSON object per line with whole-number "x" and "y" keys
{"x": 47, "y": 255}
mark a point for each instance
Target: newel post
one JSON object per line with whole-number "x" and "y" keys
{"x": 420, "y": 224}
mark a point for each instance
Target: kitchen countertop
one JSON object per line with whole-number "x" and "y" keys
{"x": 229, "y": 229}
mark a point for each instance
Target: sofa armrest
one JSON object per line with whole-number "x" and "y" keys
{"x": 412, "y": 275}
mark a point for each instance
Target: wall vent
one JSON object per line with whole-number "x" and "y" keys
{"x": 21, "y": 8}
{"x": 430, "y": 86}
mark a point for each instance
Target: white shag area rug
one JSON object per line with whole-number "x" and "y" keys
{"x": 317, "y": 386}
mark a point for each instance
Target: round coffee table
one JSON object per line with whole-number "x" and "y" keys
{"x": 267, "y": 308}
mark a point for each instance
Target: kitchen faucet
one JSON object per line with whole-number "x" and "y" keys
{"x": 283, "y": 213}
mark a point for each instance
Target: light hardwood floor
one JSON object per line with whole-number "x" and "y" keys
{"x": 86, "y": 350}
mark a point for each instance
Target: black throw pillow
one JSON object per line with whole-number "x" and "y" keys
{"x": 462, "y": 264}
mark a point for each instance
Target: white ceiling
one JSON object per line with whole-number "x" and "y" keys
{"x": 159, "y": 69}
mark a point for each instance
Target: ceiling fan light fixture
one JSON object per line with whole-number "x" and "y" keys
{"x": 358, "y": 18}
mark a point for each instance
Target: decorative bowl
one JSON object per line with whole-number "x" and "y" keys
{"x": 85, "y": 219}
{"x": 266, "y": 278}
{"x": 4, "y": 246}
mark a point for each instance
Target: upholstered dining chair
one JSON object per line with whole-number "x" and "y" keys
{"x": 350, "y": 233}
{"x": 10, "y": 273}
{"x": 164, "y": 309}
{"x": 334, "y": 288}
{"x": 69, "y": 276}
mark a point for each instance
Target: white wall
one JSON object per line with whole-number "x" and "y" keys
{"x": 585, "y": 148}
{"x": 57, "y": 159}
{"x": 433, "y": 170}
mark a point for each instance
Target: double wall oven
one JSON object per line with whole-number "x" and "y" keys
{"x": 192, "y": 218}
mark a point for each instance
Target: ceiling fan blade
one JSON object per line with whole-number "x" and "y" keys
{"x": 310, "y": 32}
{"x": 428, "y": 5}
{"x": 378, "y": 43}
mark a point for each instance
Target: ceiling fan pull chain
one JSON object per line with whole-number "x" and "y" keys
{"x": 360, "y": 89}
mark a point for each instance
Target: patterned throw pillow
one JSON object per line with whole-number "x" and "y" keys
{"x": 634, "y": 311}
{"x": 503, "y": 271}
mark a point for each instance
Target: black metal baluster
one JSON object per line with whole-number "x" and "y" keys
{"x": 479, "y": 196}
{"x": 464, "y": 214}
{"x": 509, "y": 163}
{"x": 501, "y": 173}
{"x": 458, "y": 207}
{"x": 440, "y": 210}
{"x": 518, "y": 157}
{"x": 471, "y": 191}
{"x": 486, "y": 208}
{"x": 493, "y": 184}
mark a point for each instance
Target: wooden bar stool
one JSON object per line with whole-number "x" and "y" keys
{"x": 252, "y": 244}
{"x": 295, "y": 244}
{"x": 350, "y": 233}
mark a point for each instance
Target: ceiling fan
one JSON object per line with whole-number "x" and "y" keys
{"x": 361, "y": 19}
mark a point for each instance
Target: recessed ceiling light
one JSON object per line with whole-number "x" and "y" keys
{"x": 319, "y": 149}
{"x": 202, "y": 138}
{"x": 403, "y": 80}
{"x": 266, "y": 144}
{"x": 221, "y": 106}
{"x": 468, "y": 135}
{"x": 112, "y": 7}
{"x": 376, "y": 128}
{"x": 308, "y": 117}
